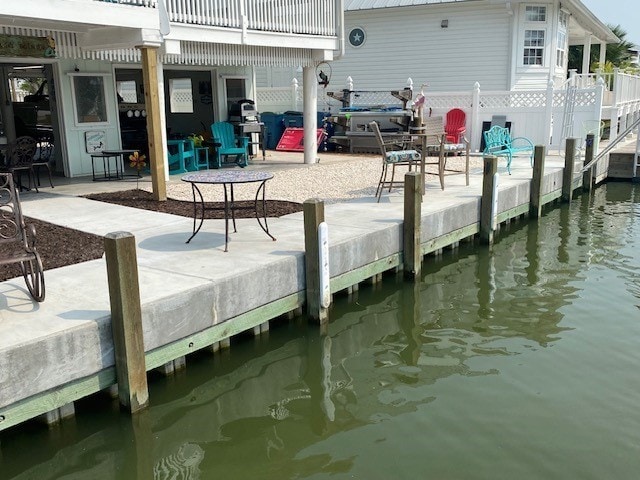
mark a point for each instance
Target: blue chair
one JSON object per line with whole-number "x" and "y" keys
{"x": 228, "y": 144}
{"x": 182, "y": 156}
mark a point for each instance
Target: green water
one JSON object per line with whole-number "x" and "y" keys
{"x": 522, "y": 362}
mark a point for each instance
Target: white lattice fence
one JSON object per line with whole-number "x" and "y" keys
{"x": 527, "y": 111}
{"x": 278, "y": 99}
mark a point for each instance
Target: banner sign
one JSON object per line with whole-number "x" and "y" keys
{"x": 20, "y": 46}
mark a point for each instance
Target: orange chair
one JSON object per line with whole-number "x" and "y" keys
{"x": 455, "y": 125}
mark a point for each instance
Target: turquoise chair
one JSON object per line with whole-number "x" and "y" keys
{"x": 182, "y": 156}
{"x": 228, "y": 144}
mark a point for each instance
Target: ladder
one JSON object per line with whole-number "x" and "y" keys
{"x": 567, "y": 116}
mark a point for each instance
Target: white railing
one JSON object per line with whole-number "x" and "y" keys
{"x": 311, "y": 17}
{"x": 139, "y": 3}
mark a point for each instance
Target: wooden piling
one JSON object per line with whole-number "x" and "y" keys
{"x": 535, "y": 199}
{"x": 587, "y": 175}
{"x": 313, "y": 210}
{"x": 126, "y": 320}
{"x": 569, "y": 167}
{"x": 487, "y": 203}
{"x": 412, "y": 227}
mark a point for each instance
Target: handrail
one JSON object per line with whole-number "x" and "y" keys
{"x": 610, "y": 147}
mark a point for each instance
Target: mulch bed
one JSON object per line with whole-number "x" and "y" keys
{"x": 61, "y": 246}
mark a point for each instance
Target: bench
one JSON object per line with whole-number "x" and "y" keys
{"x": 17, "y": 240}
{"x": 498, "y": 142}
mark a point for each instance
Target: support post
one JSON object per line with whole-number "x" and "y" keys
{"x": 313, "y": 210}
{"x": 310, "y": 114}
{"x": 412, "y": 226}
{"x": 535, "y": 199}
{"x": 587, "y": 175}
{"x": 154, "y": 122}
{"x": 488, "y": 202}
{"x": 126, "y": 320}
{"x": 569, "y": 166}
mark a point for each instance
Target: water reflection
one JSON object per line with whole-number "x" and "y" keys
{"x": 284, "y": 408}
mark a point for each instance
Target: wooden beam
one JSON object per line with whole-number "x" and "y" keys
{"x": 154, "y": 123}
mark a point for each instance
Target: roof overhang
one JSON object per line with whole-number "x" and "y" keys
{"x": 583, "y": 22}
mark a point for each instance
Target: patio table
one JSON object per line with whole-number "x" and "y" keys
{"x": 227, "y": 179}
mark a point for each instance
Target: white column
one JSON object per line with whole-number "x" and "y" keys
{"x": 310, "y": 114}
{"x": 586, "y": 53}
{"x": 603, "y": 55}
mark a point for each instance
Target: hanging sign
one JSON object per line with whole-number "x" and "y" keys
{"x": 21, "y": 46}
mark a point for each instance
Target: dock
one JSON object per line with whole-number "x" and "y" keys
{"x": 196, "y": 296}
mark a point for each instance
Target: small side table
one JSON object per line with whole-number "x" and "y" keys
{"x": 200, "y": 162}
{"x": 106, "y": 166}
{"x": 120, "y": 162}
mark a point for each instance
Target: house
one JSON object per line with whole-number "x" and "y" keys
{"x": 131, "y": 73}
{"x": 451, "y": 49}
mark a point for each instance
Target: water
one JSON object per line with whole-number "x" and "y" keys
{"x": 516, "y": 363}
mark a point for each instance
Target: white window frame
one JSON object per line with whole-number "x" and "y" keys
{"x": 534, "y": 25}
{"x": 562, "y": 39}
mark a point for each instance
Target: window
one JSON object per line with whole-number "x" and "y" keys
{"x": 180, "y": 95}
{"x": 561, "y": 47}
{"x": 89, "y": 98}
{"x": 535, "y": 13}
{"x": 533, "y": 47}
{"x": 127, "y": 91}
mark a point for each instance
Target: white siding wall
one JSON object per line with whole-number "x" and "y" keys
{"x": 409, "y": 42}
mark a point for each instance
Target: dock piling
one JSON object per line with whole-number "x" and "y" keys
{"x": 412, "y": 226}
{"x": 489, "y": 200}
{"x": 126, "y": 320}
{"x": 587, "y": 175}
{"x": 569, "y": 167}
{"x": 535, "y": 200}
{"x": 313, "y": 210}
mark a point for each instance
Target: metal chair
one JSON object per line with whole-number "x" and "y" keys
{"x": 20, "y": 157}
{"x": 17, "y": 240}
{"x": 394, "y": 153}
{"x": 43, "y": 157}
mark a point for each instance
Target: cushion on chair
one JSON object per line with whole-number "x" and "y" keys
{"x": 454, "y": 146}
{"x": 402, "y": 156}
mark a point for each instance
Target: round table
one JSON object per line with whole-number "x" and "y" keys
{"x": 227, "y": 178}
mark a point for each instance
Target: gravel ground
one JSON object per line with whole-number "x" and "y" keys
{"x": 334, "y": 179}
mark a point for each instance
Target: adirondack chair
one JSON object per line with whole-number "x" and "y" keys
{"x": 17, "y": 240}
{"x": 455, "y": 125}
{"x": 181, "y": 156}
{"x": 228, "y": 144}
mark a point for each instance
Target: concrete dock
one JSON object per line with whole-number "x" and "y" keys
{"x": 195, "y": 295}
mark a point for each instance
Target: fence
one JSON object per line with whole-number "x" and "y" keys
{"x": 279, "y": 99}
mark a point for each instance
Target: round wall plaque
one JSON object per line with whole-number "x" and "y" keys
{"x": 356, "y": 37}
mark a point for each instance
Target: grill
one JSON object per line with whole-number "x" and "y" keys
{"x": 244, "y": 116}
